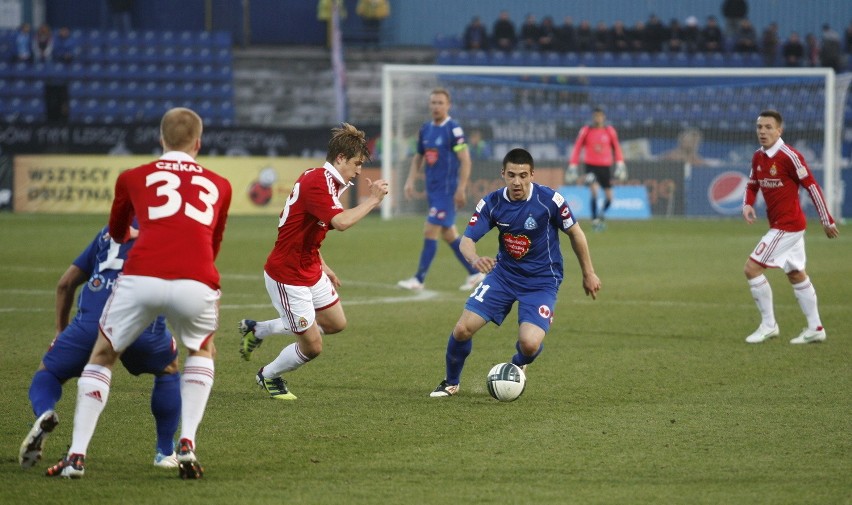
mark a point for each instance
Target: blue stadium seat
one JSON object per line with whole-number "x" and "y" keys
{"x": 497, "y": 58}
{"x": 445, "y": 57}
{"x": 480, "y": 58}
{"x": 463, "y": 58}
{"x": 552, "y": 59}
{"x": 624, "y": 60}
{"x": 570, "y": 59}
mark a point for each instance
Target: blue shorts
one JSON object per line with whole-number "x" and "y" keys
{"x": 494, "y": 298}
{"x": 442, "y": 210}
{"x": 68, "y": 354}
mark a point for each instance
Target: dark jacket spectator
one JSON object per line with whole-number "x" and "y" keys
{"x": 691, "y": 35}
{"x": 505, "y": 37}
{"x": 602, "y": 38}
{"x": 769, "y": 45}
{"x": 43, "y": 44}
{"x": 734, "y": 12}
{"x": 793, "y": 51}
{"x": 712, "y": 40}
{"x": 619, "y": 38}
{"x": 64, "y": 46}
{"x": 566, "y": 35}
{"x": 475, "y": 35}
{"x": 547, "y": 34}
{"x": 675, "y": 43}
{"x": 848, "y": 37}
{"x": 24, "y": 43}
{"x": 811, "y": 50}
{"x": 831, "y": 52}
{"x": 656, "y": 34}
{"x": 745, "y": 40}
{"x": 585, "y": 36}
{"x": 638, "y": 42}
{"x": 529, "y": 33}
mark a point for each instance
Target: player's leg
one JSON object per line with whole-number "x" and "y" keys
{"x": 535, "y": 315}
{"x": 65, "y": 359}
{"x": 794, "y": 267}
{"x": 453, "y": 239}
{"x": 761, "y": 292}
{"x": 431, "y": 232}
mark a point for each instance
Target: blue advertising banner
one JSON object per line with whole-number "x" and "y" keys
{"x": 629, "y": 202}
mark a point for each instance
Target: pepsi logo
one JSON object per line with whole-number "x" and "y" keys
{"x": 726, "y": 191}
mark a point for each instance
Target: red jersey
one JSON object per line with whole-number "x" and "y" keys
{"x": 303, "y": 225}
{"x": 778, "y": 172}
{"x": 600, "y": 143}
{"x": 181, "y": 208}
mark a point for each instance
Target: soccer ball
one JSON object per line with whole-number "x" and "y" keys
{"x": 506, "y": 382}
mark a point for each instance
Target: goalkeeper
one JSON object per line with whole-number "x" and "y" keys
{"x": 600, "y": 143}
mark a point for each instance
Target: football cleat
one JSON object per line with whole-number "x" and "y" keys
{"x": 165, "y": 461}
{"x": 472, "y": 281}
{"x": 33, "y": 445}
{"x": 411, "y": 284}
{"x": 444, "y": 389}
{"x": 810, "y": 336}
{"x": 276, "y": 387}
{"x": 762, "y": 334}
{"x": 249, "y": 342}
{"x": 72, "y": 466}
{"x": 188, "y": 466}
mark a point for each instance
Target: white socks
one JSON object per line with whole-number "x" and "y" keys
{"x": 272, "y": 327}
{"x": 92, "y": 395}
{"x": 290, "y": 359}
{"x": 806, "y": 295}
{"x": 196, "y": 381}
{"x": 762, "y": 294}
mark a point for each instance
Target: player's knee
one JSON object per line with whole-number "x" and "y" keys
{"x": 796, "y": 276}
{"x": 461, "y": 332}
{"x": 171, "y": 368}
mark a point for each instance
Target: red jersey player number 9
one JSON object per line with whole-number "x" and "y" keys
{"x": 208, "y": 194}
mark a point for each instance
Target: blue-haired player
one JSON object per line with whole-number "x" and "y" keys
{"x": 527, "y": 269}
{"x": 155, "y": 352}
{"x": 443, "y": 155}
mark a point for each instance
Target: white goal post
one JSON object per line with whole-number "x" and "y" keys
{"x": 651, "y": 103}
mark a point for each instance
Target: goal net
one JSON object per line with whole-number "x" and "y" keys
{"x": 687, "y": 133}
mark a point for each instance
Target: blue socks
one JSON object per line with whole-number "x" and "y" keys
{"x": 457, "y": 352}
{"x": 45, "y": 392}
{"x": 165, "y": 405}
{"x": 520, "y": 359}
{"x": 430, "y": 247}
{"x": 455, "y": 247}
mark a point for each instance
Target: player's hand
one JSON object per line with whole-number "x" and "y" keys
{"x": 379, "y": 188}
{"x": 831, "y": 230}
{"x": 408, "y": 189}
{"x": 460, "y": 198}
{"x": 571, "y": 175}
{"x": 591, "y": 285}
{"x": 749, "y": 214}
{"x": 620, "y": 171}
{"x": 484, "y": 264}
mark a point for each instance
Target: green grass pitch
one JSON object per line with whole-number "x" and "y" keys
{"x": 648, "y": 395}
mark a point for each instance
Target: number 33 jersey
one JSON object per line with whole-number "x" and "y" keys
{"x": 181, "y": 208}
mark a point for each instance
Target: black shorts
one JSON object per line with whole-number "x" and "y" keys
{"x": 602, "y": 175}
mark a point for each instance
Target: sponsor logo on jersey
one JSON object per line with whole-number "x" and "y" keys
{"x": 473, "y": 219}
{"x": 726, "y": 191}
{"x": 558, "y": 199}
{"x": 431, "y": 156}
{"x": 771, "y": 183}
{"x": 479, "y": 205}
{"x": 97, "y": 283}
{"x": 503, "y": 224}
{"x": 178, "y": 166}
{"x": 439, "y": 214}
{"x": 565, "y": 211}
{"x": 96, "y": 395}
{"x": 544, "y": 311}
{"x": 517, "y": 246}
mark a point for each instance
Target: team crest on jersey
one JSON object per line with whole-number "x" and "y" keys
{"x": 439, "y": 214}
{"x": 545, "y": 312}
{"x": 302, "y": 323}
{"x": 516, "y": 245}
{"x": 530, "y": 223}
{"x": 773, "y": 171}
{"x": 97, "y": 283}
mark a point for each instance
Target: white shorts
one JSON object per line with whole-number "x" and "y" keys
{"x": 298, "y": 305}
{"x": 781, "y": 249}
{"x": 191, "y": 309}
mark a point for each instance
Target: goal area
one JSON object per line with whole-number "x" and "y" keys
{"x": 688, "y": 134}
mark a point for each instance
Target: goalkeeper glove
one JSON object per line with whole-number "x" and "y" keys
{"x": 571, "y": 174}
{"x": 620, "y": 171}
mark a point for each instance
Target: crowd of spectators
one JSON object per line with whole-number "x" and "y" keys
{"x": 43, "y": 46}
{"x": 654, "y": 36}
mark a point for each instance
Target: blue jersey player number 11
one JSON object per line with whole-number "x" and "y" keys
{"x": 528, "y": 267}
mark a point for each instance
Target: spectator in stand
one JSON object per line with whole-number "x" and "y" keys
{"x": 547, "y": 34}
{"x": 638, "y": 36}
{"x": 745, "y": 40}
{"x": 691, "y": 35}
{"x": 831, "y": 53}
{"x": 43, "y": 44}
{"x": 712, "y": 40}
{"x": 478, "y": 147}
{"x": 585, "y": 37}
{"x": 675, "y": 43}
{"x": 619, "y": 38}
{"x": 734, "y": 12}
{"x": 793, "y": 51}
{"x": 848, "y": 37}
{"x": 811, "y": 50}
{"x": 505, "y": 37}
{"x": 24, "y": 43}
{"x": 656, "y": 34}
{"x": 566, "y": 36}
{"x": 475, "y": 35}
{"x": 64, "y": 46}
{"x": 602, "y": 38}
{"x": 529, "y": 33}
{"x": 769, "y": 45}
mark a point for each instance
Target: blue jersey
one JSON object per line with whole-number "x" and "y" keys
{"x": 529, "y": 245}
{"x": 438, "y": 144}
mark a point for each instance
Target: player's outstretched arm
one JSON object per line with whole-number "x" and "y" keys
{"x": 349, "y": 217}
{"x": 749, "y": 214}
{"x": 416, "y": 162}
{"x": 73, "y": 278}
{"x": 482, "y": 264}
{"x": 591, "y": 282}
